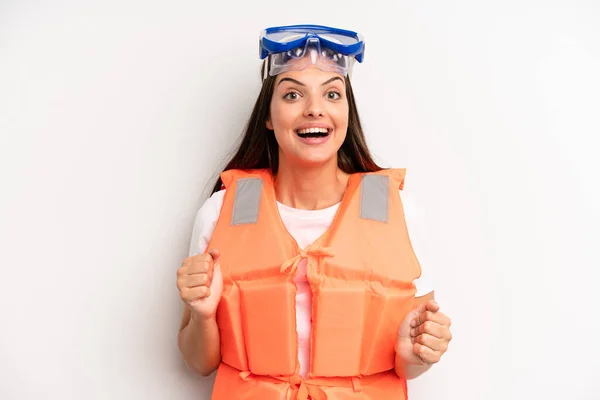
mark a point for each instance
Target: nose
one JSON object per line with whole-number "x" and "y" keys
{"x": 314, "y": 107}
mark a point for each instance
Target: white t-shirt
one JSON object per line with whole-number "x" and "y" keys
{"x": 306, "y": 226}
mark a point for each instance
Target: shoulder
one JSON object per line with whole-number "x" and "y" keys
{"x": 212, "y": 205}
{"x": 418, "y": 233}
{"x": 205, "y": 222}
{"x": 410, "y": 205}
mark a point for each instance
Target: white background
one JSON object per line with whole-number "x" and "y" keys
{"x": 114, "y": 117}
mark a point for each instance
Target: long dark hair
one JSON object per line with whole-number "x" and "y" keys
{"x": 258, "y": 147}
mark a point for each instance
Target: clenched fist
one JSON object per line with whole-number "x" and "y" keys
{"x": 200, "y": 283}
{"x": 424, "y": 335}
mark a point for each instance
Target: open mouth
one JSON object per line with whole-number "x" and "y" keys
{"x": 313, "y": 132}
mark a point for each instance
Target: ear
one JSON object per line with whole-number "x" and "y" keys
{"x": 269, "y": 124}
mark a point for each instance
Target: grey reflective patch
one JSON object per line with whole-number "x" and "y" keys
{"x": 374, "y": 197}
{"x": 246, "y": 201}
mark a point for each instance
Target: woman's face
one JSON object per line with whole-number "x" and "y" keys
{"x": 309, "y": 115}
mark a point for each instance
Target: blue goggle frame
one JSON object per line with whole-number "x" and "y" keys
{"x": 269, "y": 46}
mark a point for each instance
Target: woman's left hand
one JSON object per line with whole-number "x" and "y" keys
{"x": 424, "y": 335}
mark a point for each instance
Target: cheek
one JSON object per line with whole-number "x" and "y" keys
{"x": 282, "y": 115}
{"x": 282, "y": 123}
{"x": 340, "y": 119}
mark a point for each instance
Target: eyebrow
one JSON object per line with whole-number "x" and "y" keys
{"x": 331, "y": 80}
{"x": 302, "y": 84}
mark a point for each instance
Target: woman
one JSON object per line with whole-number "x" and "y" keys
{"x": 307, "y": 289}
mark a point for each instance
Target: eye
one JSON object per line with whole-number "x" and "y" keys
{"x": 291, "y": 96}
{"x": 333, "y": 95}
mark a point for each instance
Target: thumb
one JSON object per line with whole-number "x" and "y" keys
{"x": 405, "y": 326}
{"x": 216, "y": 286}
{"x": 215, "y": 254}
{"x": 412, "y": 319}
{"x": 432, "y": 306}
{"x": 420, "y": 309}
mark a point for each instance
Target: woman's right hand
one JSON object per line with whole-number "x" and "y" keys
{"x": 200, "y": 283}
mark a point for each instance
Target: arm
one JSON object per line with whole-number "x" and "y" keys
{"x": 200, "y": 282}
{"x": 415, "y": 360}
{"x": 411, "y": 371}
{"x": 199, "y": 342}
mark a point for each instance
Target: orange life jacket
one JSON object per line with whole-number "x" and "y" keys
{"x": 361, "y": 273}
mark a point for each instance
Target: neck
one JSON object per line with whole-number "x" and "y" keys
{"x": 310, "y": 188}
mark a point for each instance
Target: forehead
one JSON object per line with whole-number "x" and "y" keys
{"x": 311, "y": 75}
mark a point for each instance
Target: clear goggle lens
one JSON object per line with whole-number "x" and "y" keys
{"x": 313, "y": 53}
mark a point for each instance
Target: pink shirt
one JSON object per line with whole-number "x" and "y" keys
{"x": 305, "y": 226}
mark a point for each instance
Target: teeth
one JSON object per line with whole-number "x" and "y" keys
{"x": 313, "y": 130}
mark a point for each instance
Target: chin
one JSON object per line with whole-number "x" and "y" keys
{"x": 314, "y": 160}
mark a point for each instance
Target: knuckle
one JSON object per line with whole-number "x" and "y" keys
{"x": 202, "y": 266}
{"x": 419, "y": 330}
{"x": 204, "y": 257}
{"x": 197, "y": 259}
{"x": 180, "y": 284}
{"x": 185, "y": 293}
